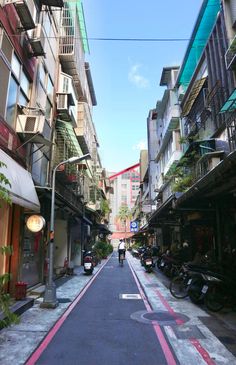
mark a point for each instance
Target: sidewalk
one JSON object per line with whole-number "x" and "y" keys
{"x": 19, "y": 341}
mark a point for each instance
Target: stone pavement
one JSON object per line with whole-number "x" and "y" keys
{"x": 19, "y": 341}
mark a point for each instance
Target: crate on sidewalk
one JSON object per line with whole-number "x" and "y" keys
{"x": 20, "y": 290}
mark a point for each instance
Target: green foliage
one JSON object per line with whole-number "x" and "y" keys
{"x": 183, "y": 184}
{"x": 124, "y": 213}
{"x": 103, "y": 249}
{"x": 182, "y": 174}
{"x": 105, "y": 208}
{"x": 4, "y": 193}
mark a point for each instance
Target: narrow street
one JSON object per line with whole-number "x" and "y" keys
{"x": 123, "y": 315}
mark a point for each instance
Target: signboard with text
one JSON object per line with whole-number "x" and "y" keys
{"x": 133, "y": 226}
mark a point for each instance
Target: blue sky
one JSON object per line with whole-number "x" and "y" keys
{"x": 126, "y": 75}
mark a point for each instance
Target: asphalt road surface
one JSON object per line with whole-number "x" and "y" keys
{"x": 102, "y": 328}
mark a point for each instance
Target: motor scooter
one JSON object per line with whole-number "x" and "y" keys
{"x": 148, "y": 264}
{"x": 88, "y": 263}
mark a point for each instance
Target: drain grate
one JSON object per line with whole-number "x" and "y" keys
{"x": 63, "y": 300}
{"x": 130, "y": 296}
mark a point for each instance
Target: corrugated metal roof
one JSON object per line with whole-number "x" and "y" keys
{"x": 192, "y": 96}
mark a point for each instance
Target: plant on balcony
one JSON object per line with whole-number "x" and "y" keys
{"x": 105, "y": 207}
{"x": 71, "y": 173}
{"x": 5, "y": 300}
{"x": 182, "y": 175}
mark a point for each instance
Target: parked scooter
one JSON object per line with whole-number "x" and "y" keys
{"x": 148, "y": 264}
{"x": 147, "y": 260}
{"x": 88, "y": 262}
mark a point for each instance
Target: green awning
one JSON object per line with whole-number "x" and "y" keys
{"x": 82, "y": 26}
{"x": 68, "y": 133}
{"x": 202, "y": 30}
{"x": 230, "y": 103}
{"x": 76, "y": 7}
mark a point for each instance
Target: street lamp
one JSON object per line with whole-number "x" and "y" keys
{"x": 50, "y": 298}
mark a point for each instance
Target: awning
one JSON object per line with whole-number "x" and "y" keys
{"x": 22, "y": 190}
{"x": 102, "y": 228}
{"x": 230, "y": 103}
{"x": 197, "y": 87}
{"x": 121, "y": 235}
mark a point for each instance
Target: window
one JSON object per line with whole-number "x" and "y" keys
{"x": 45, "y": 92}
{"x": 15, "y": 86}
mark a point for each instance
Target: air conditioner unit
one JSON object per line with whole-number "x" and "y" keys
{"x": 25, "y": 10}
{"x": 37, "y": 41}
{"x": 64, "y": 101}
{"x": 230, "y": 56}
{"x": 34, "y": 128}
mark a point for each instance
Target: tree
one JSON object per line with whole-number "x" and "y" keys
{"x": 124, "y": 214}
{"x": 9, "y": 317}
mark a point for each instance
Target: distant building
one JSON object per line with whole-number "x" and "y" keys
{"x": 126, "y": 189}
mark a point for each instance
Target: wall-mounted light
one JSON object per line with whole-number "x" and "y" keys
{"x": 35, "y": 223}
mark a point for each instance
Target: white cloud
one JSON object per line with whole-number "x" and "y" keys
{"x": 141, "y": 145}
{"x": 136, "y": 78}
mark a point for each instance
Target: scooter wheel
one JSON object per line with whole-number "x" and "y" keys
{"x": 214, "y": 299}
{"x": 178, "y": 287}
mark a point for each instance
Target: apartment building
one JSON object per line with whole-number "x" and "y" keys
{"x": 195, "y": 138}
{"x": 46, "y": 108}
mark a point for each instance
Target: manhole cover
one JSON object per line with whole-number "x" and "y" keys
{"x": 159, "y": 316}
{"x": 163, "y": 318}
{"x": 63, "y": 300}
{"x": 130, "y": 296}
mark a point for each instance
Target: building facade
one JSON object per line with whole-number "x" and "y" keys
{"x": 46, "y": 110}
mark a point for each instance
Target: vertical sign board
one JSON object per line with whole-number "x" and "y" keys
{"x": 133, "y": 226}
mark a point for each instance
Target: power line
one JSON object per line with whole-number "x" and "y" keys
{"x": 141, "y": 39}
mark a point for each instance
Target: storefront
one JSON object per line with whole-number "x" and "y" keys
{"x": 23, "y": 264}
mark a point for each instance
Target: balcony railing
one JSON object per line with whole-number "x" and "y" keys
{"x": 71, "y": 52}
{"x": 84, "y": 130}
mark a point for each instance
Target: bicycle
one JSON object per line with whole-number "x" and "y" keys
{"x": 179, "y": 284}
{"x": 122, "y": 257}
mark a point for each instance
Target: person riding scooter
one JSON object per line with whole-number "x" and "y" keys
{"x": 121, "y": 248}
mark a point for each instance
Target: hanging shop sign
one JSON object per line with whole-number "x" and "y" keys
{"x": 35, "y": 223}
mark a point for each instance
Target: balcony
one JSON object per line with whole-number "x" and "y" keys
{"x": 230, "y": 55}
{"x": 207, "y": 105}
{"x": 71, "y": 47}
{"x": 84, "y": 130}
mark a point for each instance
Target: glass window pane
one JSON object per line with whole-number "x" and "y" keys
{"x": 4, "y": 80}
{"x": 7, "y": 47}
{"x": 50, "y": 89}
{"x": 25, "y": 84}
{"x": 22, "y": 99}
{"x": 11, "y": 102}
{"x": 41, "y": 99}
{"x": 48, "y": 110}
{"x": 16, "y": 66}
{"x": 42, "y": 75}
